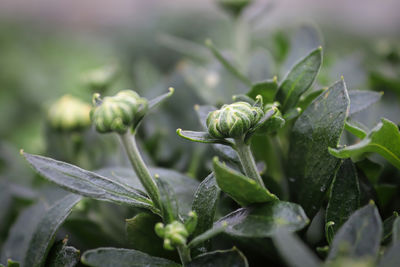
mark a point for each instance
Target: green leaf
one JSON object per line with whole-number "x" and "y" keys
{"x": 267, "y": 89}
{"x": 10, "y": 263}
{"x": 184, "y": 186}
{"x": 355, "y": 129}
{"x": 205, "y": 205}
{"x": 87, "y": 183}
{"x": 360, "y": 236}
{"x": 294, "y": 251}
{"x": 220, "y": 258}
{"x": 344, "y": 196}
{"x": 141, "y": 235}
{"x": 383, "y": 139}
{"x": 242, "y": 189}
{"x": 311, "y": 168}
{"x": 62, "y": 255}
{"x": 153, "y": 103}
{"x": 202, "y": 137}
{"x": 169, "y": 205}
{"x": 299, "y": 79}
{"x": 232, "y": 69}
{"x": 361, "y": 99}
{"x": 388, "y": 228}
{"x": 43, "y": 236}
{"x": 306, "y": 100}
{"x": 264, "y": 220}
{"x": 111, "y": 257}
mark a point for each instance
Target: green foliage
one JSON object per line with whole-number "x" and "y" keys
{"x": 286, "y": 187}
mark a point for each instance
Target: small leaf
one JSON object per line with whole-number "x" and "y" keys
{"x": 355, "y": 129}
{"x": 242, "y": 189}
{"x": 261, "y": 124}
{"x": 310, "y": 167}
{"x": 169, "y": 205}
{"x": 360, "y": 236}
{"x": 361, "y": 99}
{"x": 299, "y": 79}
{"x": 267, "y": 89}
{"x": 202, "y": 137}
{"x": 62, "y": 255}
{"x": 111, "y": 257}
{"x": 87, "y": 183}
{"x": 264, "y": 220}
{"x": 153, "y": 103}
{"x": 141, "y": 235}
{"x": 294, "y": 251}
{"x": 383, "y": 139}
{"x": 205, "y": 205}
{"x": 43, "y": 236}
{"x": 207, "y": 235}
{"x": 345, "y": 195}
{"x": 232, "y": 69}
{"x": 220, "y": 258}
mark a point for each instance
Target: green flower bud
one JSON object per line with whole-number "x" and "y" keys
{"x": 69, "y": 114}
{"x": 98, "y": 80}
{"x": 234, "y": 120}
{"x": 234, "y": 6}
{"x": 174, "y": 234}
{"x": 118, "y": 113}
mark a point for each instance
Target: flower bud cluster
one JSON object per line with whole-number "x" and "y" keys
{"x": 174, "y": 234}
{"x": 234, "y": 120}
{"x": 118, "y": 113}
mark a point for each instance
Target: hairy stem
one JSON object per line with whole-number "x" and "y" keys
{"x": 140, "y": 168}
{"x": 184, "y": 254}
{"x": 247, "y": 160}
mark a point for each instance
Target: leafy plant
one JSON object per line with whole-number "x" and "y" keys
{"x": 284, "y": 189}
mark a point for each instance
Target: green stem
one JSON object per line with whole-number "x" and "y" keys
{"x": 140, "y": 168}
{"x": 184, "y": 254}
{"x": 247, "y": 160}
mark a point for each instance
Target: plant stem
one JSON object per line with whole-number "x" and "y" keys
{"x": 247, "y": 160}
{"x": 140, "y": 168}
{"x": 184, "y": 254}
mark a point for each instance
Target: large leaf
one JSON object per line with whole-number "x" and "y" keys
{"x": 360, "y": 236}
{"x": 220, "y": 258}
{"x": 345, "y": 195}
{"x": 311, "y": 167}
{"x": 184, "y": 186}
{"x": 391, "y": 258}
{"x": 111, "y": 257}
{"x": 43, "y": 236}
{"x": 383, "y": 139}
{"x": 205, "y": 204}
{"x": 294, "y": 251}
{"x": 264, "y": 220}
{"x": 361, "y": 99}
{"x": 87, "y": 183}
{"x": 299, "y": 79}
{"x": 242, "y": 189}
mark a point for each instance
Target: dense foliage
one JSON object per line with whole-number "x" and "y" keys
{"x": 267, "y": 169}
